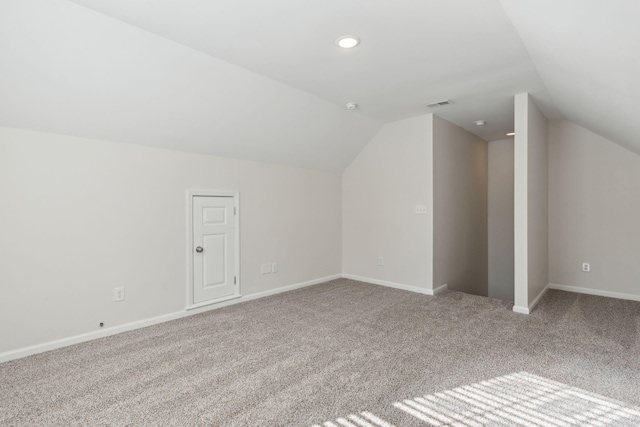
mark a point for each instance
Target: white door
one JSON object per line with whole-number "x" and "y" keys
{"x": 214, "y": 252}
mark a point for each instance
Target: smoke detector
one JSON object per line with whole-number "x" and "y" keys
{"x": 481, "y": 122}
{"x": 440, "y": 103}
{"x": 351, "y": 105}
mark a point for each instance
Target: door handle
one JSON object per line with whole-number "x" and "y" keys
{"x": 199, "y": 249}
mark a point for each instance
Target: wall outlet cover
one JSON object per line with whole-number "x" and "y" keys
{"x": 118, "y": 294}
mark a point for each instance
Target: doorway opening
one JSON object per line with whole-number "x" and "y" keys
{"x": 500, "y": 219}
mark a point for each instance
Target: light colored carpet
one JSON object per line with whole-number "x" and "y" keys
{"x": 321, "y": 353}
{"x": 519, "y": 399}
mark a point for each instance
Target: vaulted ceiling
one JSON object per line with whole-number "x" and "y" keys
{"x": 264, "y": 80}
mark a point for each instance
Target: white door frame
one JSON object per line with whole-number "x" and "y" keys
{"x": 236, "y": 218}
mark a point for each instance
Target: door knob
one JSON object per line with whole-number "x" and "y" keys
{"x": 199, "y": 249}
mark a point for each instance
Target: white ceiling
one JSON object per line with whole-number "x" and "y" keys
{"x": 587, "y": 53}
{"x": 264, "y": 80}
{"x": 69, "y": 70}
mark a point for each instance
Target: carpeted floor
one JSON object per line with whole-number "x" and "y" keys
{"x": 517, "y": 399}
{"x": 324, "y": 353}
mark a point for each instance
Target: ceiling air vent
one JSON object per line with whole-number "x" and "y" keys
{"x": 440, "y": 103}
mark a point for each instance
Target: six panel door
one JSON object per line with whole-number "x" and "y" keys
{"x": 213, "y": 248}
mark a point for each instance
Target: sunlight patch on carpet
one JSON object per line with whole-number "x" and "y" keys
{"x": 364, "y": 419}
{"x": 520, "y": 399}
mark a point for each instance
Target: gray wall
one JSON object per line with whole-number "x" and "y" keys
{"x": 500, "y": 206}
{"x": 460, "y": 209}
{"x": 594, "y": 211}
{"x": 82, "y": 216}
{"x": 380, "y": 190}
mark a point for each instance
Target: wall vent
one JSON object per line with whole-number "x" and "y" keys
{"x": 440, "y": 103}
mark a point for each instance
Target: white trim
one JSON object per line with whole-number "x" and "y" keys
{"x": 521, "y": 310}
{"x": 289, "y": 288}
{"x": 236, "y": 218}
{"x": 394, "y": 285}
{"x": 212, "y": 302}
{"x": 520, "y": 204}
{"x": 77, "y": 339}
{"x": 538, "y": 298}
{"x": 440, "y": 289}
{"x": 427, "y": 259}
{"x": 528, "y": 310}
{"x": 596, "y": 292}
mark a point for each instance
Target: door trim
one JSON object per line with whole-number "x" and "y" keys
{"x": 236, "y": 223}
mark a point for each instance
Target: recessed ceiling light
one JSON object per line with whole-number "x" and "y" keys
{"x": 511, "y": 134}
{"x": 481, "y": 122}
{"x": 348, "y": 42}
{"x": 351, "y": 105}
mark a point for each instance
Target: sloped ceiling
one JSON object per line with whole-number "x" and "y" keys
{"x": 66, "y": 69}
{"x": 264, "y": 80}
{"x": 587, "y": 53}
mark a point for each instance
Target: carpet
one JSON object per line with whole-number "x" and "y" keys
{"x": 322, "y": 353}
{"x": 520, "y": 399}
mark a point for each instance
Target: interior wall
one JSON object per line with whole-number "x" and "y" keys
{"x": 530, "y": 204}
{"x": 80, "y": 217}
{"x": 594, "y": 201}
{"x": 380, "y": 191}
{"x": 500, "y": 219}
{"x": 460, "y": 243}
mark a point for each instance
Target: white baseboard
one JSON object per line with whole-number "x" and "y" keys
{"x": 578, "y": 290}
{"x": 440, "y": 289}
{"x": 596, "y": 292}
{"x": 290, "y": 287}
{"x": 520, "y": 309}
{"x": 190, "y": 311}
{"x": 528, "y": 310}
{"x": 394, "y": 285}
{"x": 538, "y": 298}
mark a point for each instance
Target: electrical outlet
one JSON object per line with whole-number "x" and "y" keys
{"x": 118, "y": 294}
{"x": 381, "y": 261}
{"x": 274, "y": 267}
{"x": 586, "y": 267}
{"x": 421, "y": 210}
